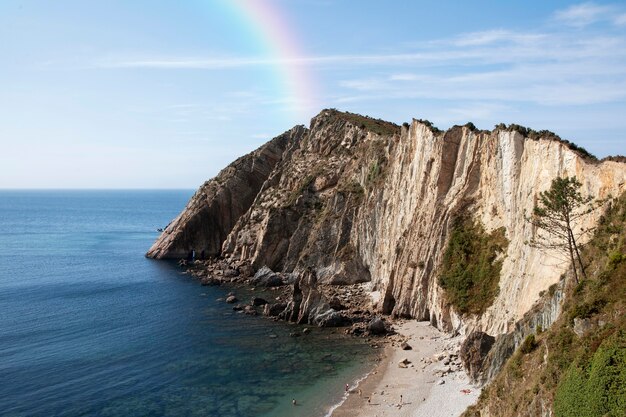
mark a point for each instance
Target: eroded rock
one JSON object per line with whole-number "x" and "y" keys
{"x": 474, "y": 351}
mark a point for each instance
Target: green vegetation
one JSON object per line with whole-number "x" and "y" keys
{"x": 586, "y": 310}
{"x": 300, "y": 189}
{"x": 471, "y": 126}
{"x": 556, "y": 214}
{"x": 377, "y": 126}
{"x": 576, "y": 375}
{"x": 597, "y": 386}
{"x": 471, "y": 268}
{"x": 529, "y": 344}
{"x": 373, "y": 172}
{"x": 546, "y": 134}
{"x": 430, "y": 125}
{"x": 352, "y": 187}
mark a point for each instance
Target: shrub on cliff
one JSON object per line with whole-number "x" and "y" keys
{"x": 529, "y": 344}
{"x": 595, "y": 387}
{"x": 471, "y": 268}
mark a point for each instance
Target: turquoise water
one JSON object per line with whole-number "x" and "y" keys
{"x": 89, "y": 327}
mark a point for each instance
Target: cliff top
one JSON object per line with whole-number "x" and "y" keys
{"x": 378, "y": 126}
{"x": 382, "y": 127}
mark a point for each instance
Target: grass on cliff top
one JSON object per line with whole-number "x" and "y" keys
{"x": 471, "y": 269}
{"x": 378, "y": 126}
{"x": 546, "y": 134}
{"x": 575, "y": 376}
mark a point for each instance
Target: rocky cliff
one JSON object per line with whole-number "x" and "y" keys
{"x": 213, "y": 210}
{"x": 358, "y": 200}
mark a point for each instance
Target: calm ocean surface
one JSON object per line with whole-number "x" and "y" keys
{"x": 89, "y": 327}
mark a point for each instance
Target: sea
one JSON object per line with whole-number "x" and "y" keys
{"x": 90, "y": 327}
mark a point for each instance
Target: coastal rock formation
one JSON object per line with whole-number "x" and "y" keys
{"x": 474, "y": 350}
{"x": 213, "y": 210}
{"x": 357, "y": 200}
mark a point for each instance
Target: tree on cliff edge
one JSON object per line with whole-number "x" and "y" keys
{"x": 556, "y": 213}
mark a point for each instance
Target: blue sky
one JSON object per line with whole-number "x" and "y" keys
{"x": 163, "y": 94}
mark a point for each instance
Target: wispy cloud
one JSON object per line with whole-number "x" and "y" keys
{"x": 496, "y": 36}
{"x": 585, "y": 14}
{"x": 620, "y": 19}
{"x": 551, "y": 66}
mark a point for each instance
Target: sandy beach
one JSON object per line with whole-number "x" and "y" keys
{"x": 429, "y": 383}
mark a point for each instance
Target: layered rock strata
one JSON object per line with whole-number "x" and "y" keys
{"x": 213, "y": 210}
{"x": 358, "y": 200}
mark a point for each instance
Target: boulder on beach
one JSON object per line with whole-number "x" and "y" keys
{"x": 377, "y": 326}
{"x": 474, "y": 350}
{"x": 404, "y": 363}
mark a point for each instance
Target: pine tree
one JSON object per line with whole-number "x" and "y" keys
{"x": 557, "y": 213}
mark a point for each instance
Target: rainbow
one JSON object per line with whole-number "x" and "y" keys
{"x": 279, "y": 41}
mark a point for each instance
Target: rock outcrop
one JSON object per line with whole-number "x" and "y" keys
{"x": 357, "y": 200}
{"x": 218, "y": 204}
{"x": 474, "y": 351}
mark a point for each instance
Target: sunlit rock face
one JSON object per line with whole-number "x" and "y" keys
{"x": 213, "y": 210}
{"x": 356, "y": 200}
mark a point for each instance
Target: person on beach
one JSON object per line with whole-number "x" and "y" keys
{"x": 347, "y": 387}
{"x": 294, "y": 402}
{"x": 400, "y": 399}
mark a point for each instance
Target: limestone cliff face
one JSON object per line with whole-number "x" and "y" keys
{"x": 359, "y": 200}
{"x": 495, "y": 176}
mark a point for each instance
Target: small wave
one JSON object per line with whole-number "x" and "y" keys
{"x": 332, "y": 409}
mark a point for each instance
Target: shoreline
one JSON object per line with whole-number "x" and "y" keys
{"x": 430, "y": 384}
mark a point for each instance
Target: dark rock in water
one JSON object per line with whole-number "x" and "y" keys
{"x": 377, "y": 326}
{"x": 249, "y": 310}
{"x": 209, "y": 280}
{"x": 306, "y": 331}
{"x": 357, "y": 329}
{"x": 231, "y": 299}
{"x": 473, "y": 352}
{"x": 265, "y": 277}
{"x": 257, "y": 301}
{"x": 275, "y": 309}
{"x": 406, "y": 346}
{"x": 295, "y": 334}
{"x": 238, "y": 307}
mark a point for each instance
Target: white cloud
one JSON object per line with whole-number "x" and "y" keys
{"x": 496, "y": 36}
{"x": 584, "y": 14}
{"x": 552, "y": 66}
{"x": 620, "y": 19}
{"x": 403, "y": 77}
